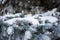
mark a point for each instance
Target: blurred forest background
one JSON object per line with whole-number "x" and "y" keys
{"x": 28, "y": 5}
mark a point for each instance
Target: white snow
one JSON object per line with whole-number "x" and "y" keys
{"x": 49, "y": 18}
{"x": 18, "y": 14}
{"x": 49, "y": 13}
{"x": 10, "y": 30}
{"x": 11, "y": 21}
{"x": 28, "y": 35}
{"x": 30, "y": 18}
{"x": 9, "y": 15}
